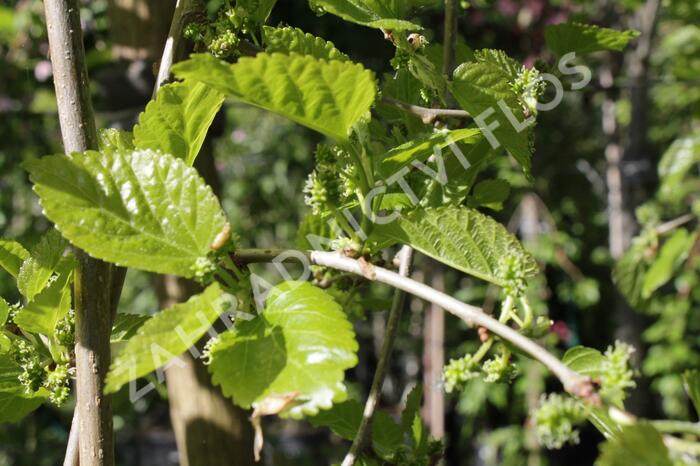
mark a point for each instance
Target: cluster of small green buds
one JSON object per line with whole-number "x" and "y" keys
{"x": 58, "y": 384}
{"x": 323, "y": 189}
{"x": 529, "y": 86}
{"x": 511, "y": 270}
{"x": 221, "y": 37}
{"x": 65, "y": 330}
{"x": 458, "y": 372}
{"x": 500, "y": 369}
{"x": 27, "y": 357}
{"x": 204, "y": 268}
{"x": 617, "y": 376}
{"x": 556, "y": 419}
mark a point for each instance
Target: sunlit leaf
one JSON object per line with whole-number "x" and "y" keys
{"x": 139, "y": 209}
{"x": 329, "y": 97}
{"x": 294, "y": 40}
{"x": 177, "y": 121}
{"x": 165, "y": 336}
{"x": 462, "y": 238}
{"x": 300, "y": 346}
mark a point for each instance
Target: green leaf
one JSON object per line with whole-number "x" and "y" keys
{"x": 479, "y": 87}
{"x": 116, "y": 140}
{"x": 328, "y": 97}
{"x": 490, "y": 193}
{"x": 15, "y": 403}
{"x": 672, "y": 254}
{"x": 42, "y": 313}
{"x": 294, "y": 40}
{"x": 585, "y": 38}
{"x": 421, "y": 148}
{"x": 691, "y": 380}
{"x": 165, "y": 336}
{"x": 462, "y": 238}
{"x": 638, "y": 444}
{"x": 344, "y": 419}
{"x": 301, "y": 344}
{"x": 126, "y": 325}
{"x": 4, "y": 312}
{"x": 585, "y": 361}
{"x": 628, "y": 275}
{"x": 35, "y": 272}
{"x": 12, "y": 254}
{"x": 144, "y": 209}
{"x": 677, "y": 161}
{"x": 378, "y": 14}
{"x": 177, "y": 121}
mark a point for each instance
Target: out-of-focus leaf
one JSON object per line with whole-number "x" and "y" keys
{"x": 585, "y": 38}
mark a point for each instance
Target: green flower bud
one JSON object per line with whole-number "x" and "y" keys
{"x": 458, "y": 372}
{"x": 617, "y": 377}
{"x": 556, "y": 420}
{"x": 58, "y": 384}
{"x": 499, "y": 369}
{"x": 65, "y": 330}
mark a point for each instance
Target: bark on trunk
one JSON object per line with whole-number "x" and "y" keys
{"x": 93, "y": 278}
{"x": 433, "y": 360}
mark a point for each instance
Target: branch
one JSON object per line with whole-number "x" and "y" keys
{"x": 450, "y": 38}
{"x": 573, "y": 382}
{"x": 173, "y": 50}
{"x": 673, "y": 224}
{"x": 427, "y": 115}
{"x": 364, "y": 431}
{"x": 72, "y": 451}
{"x": 92, "y": 279}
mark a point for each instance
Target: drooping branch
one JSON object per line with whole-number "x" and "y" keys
{"x": 573, "y": 382}
{"x": 364, "y": 431}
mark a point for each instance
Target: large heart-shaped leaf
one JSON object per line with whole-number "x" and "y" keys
{"x": 139, "y": 209}
{"x": 462, "y": 238}
{"x": 329, "y": 97}
{"x": 299, "y": 347}
{"x": 165, "y": 336}
{"x": 379, "y": 14}
{"x": 177, "y": 121}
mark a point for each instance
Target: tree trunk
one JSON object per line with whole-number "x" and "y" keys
{"x": 93, "y": 278}
{"x": 209, "y": 429}
{"x": 434, "y": 359}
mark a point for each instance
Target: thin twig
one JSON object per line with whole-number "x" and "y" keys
{"x": 573, "y": 382}
{"x": 365, "y": 429}
{"x": 72, "y": 451}
{"x": 450, "y": 38}
{"x": 427, "y": 115}
{"x": 673, "y": 224}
